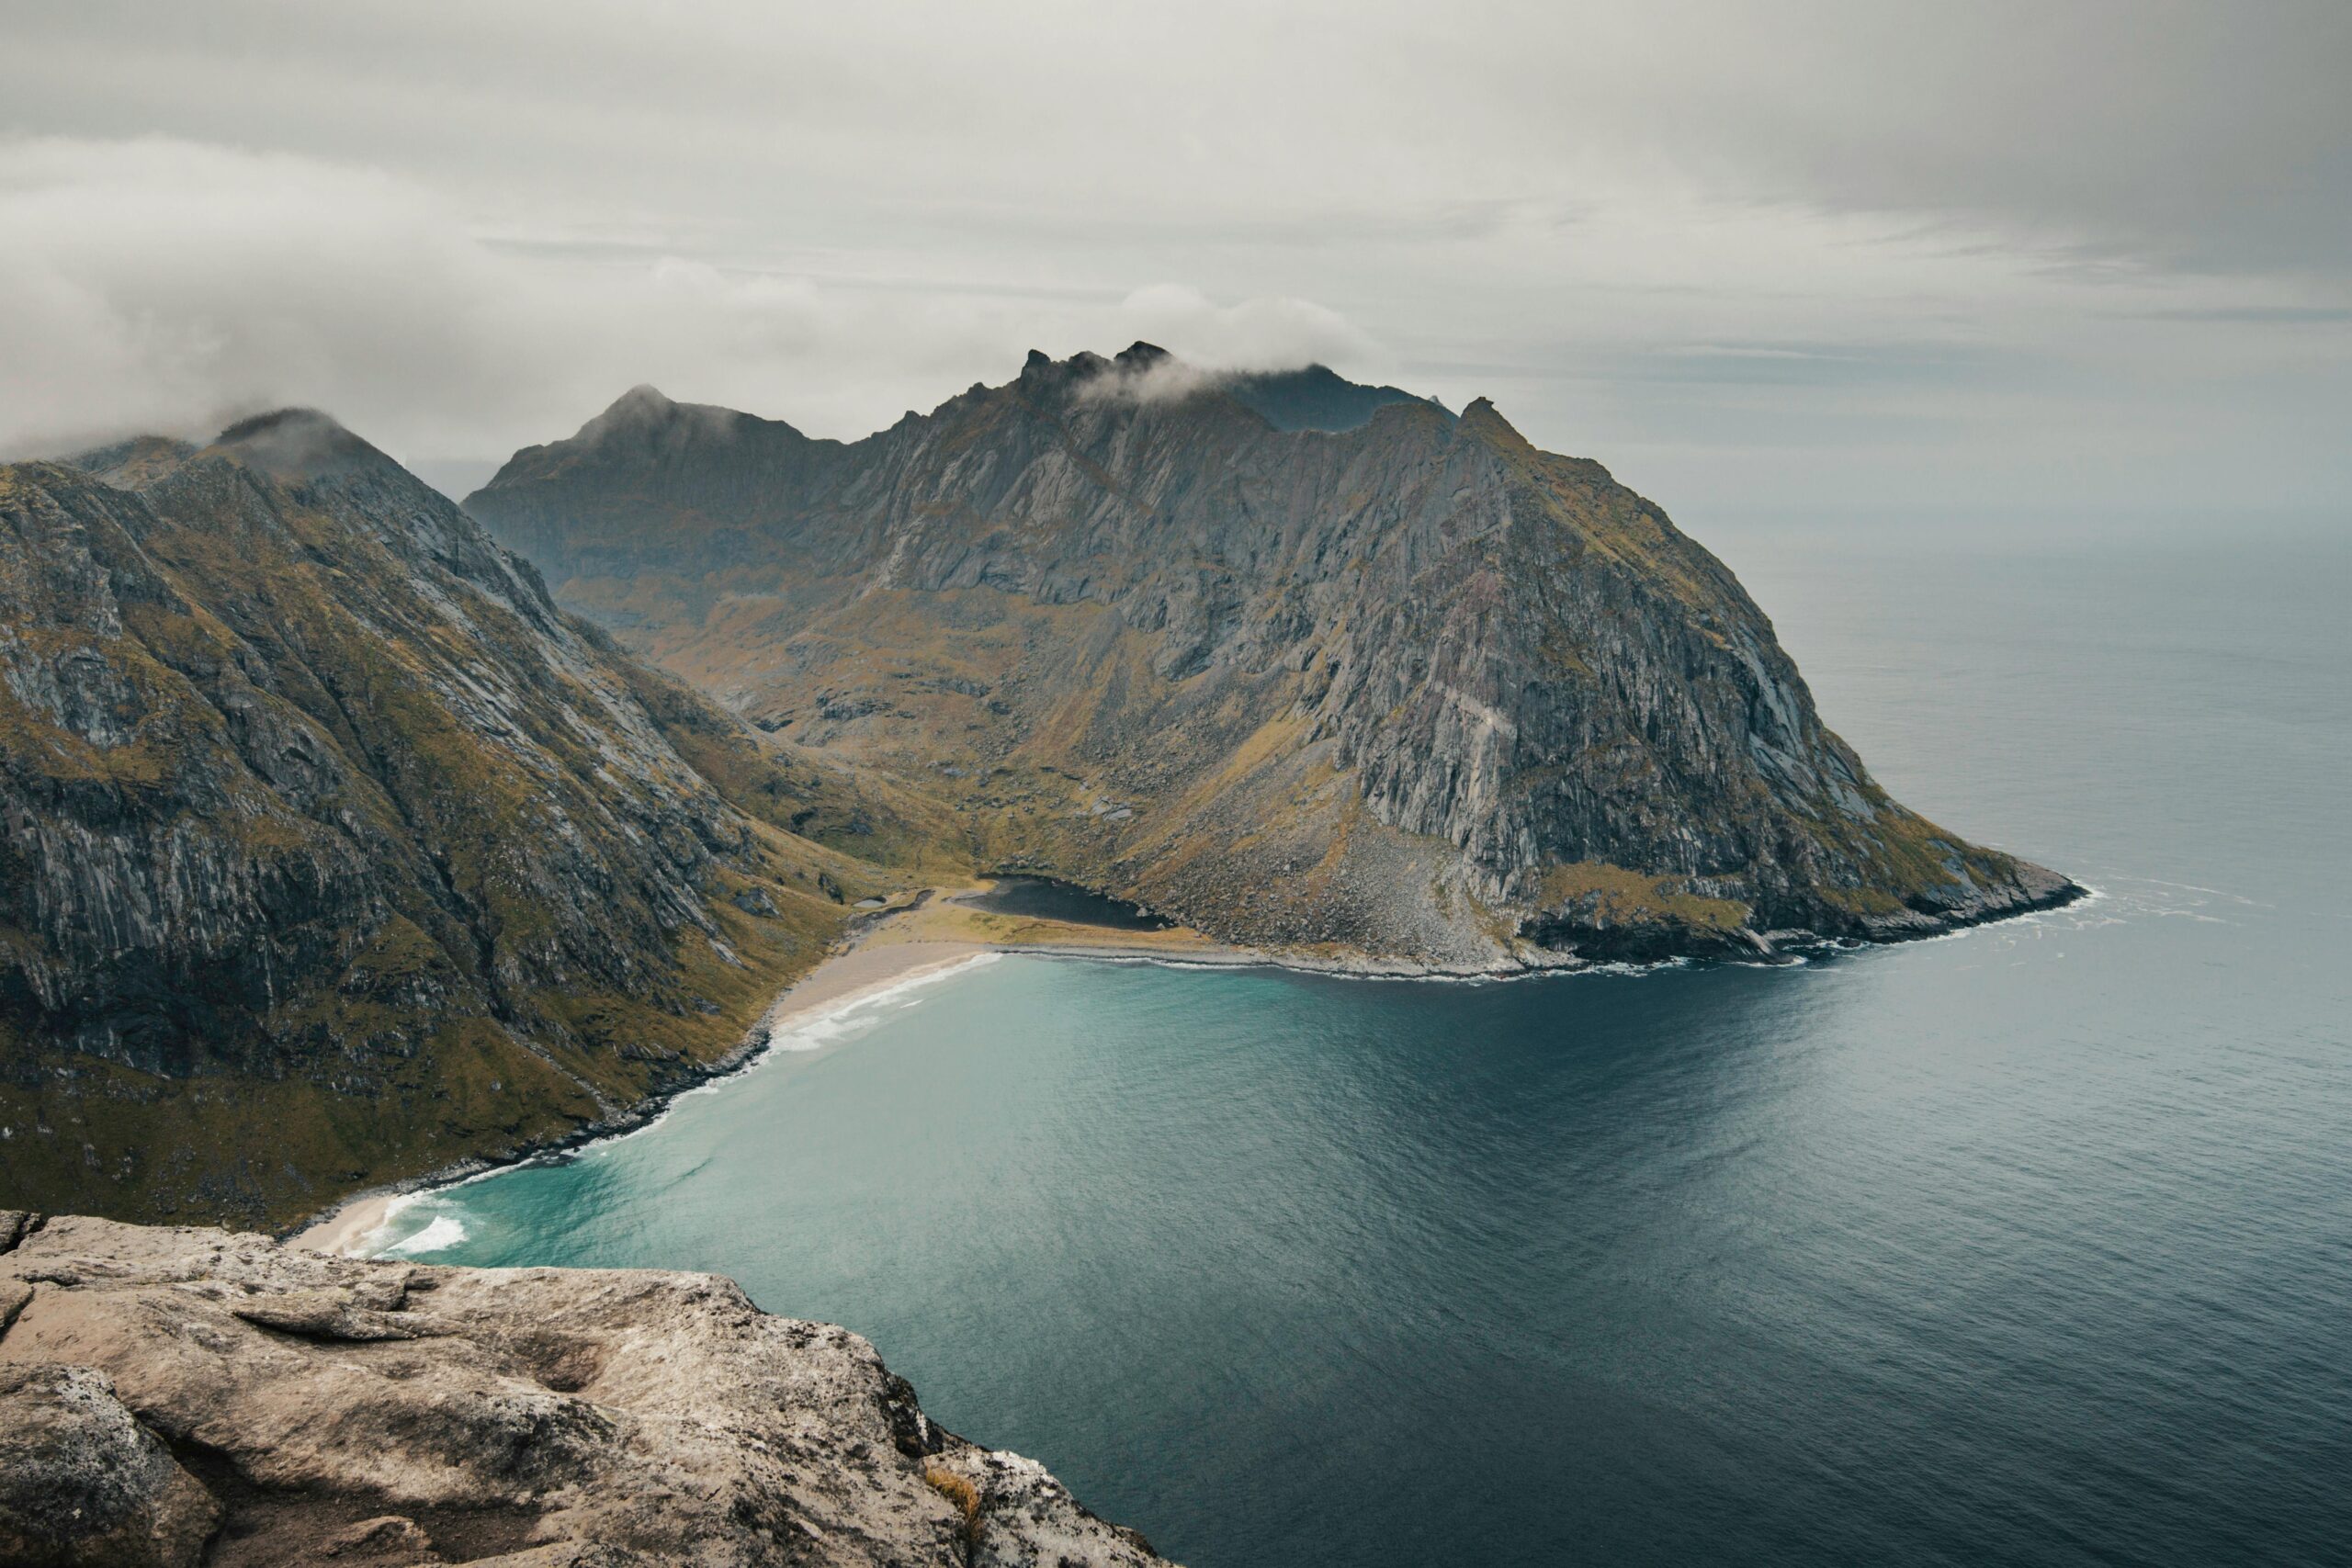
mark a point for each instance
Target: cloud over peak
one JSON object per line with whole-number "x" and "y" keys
{"x": 2078, "y": 248}
{"x": 169, "y": 286}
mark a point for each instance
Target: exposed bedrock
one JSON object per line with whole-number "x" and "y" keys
{"x": 178, "y": 1396}
{"x": 1386, "y": 679}
{"x": 332, "y": 852}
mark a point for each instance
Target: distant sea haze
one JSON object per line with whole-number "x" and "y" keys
{"x": 2028, "y": 1246}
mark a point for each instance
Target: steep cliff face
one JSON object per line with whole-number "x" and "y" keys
{"x": 1384, "y": 679}
{"x": 331, "y": 850}
{"x": 176, "y": 1397}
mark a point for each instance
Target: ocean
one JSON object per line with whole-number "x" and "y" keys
{"x": 2028, "y": 1245}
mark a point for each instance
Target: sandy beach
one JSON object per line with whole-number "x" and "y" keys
{"x": 841, "y": 981}
{"x": 343, "y": 1230}
{"x": 850, "y": 977}
{"x": 931, "y": 934}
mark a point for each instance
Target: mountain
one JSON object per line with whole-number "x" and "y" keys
{"x": 332, "y": 851}
{"x": 1314, "y": 399}
{"x": 1305, "y": 664}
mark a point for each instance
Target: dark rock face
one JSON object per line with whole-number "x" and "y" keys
{"x": 176, "y": 1396}
{"x": 1312, "y": 399}
{"x": 1409, "y": 686}
{"x": 82, "y": 1482}
{"x": 331, "y": 850}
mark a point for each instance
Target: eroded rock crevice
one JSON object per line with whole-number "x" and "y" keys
{"x": 175, "y": 1398}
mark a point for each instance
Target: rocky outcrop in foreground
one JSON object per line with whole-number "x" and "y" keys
{"x": 178, "y": 1396}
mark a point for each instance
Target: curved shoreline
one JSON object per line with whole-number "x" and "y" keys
{"x": 879, "y": 955}
{"x": 839, "y": 981}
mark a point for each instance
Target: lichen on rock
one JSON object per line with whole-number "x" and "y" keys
{"x": 173, "y": 1396}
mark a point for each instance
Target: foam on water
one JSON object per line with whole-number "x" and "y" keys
{"x": 373, "y": 1241}
{"x": 854, "y": 1015}
{"x": 445, "y": 1232}
{"x": 394, "y": 1234}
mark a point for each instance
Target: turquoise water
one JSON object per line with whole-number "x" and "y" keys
{"x": 2032, "y": 1245}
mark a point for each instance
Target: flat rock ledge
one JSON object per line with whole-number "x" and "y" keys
{"x": 183, "y": 1396}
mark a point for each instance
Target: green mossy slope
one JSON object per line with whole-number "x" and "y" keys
{"x": 331, "y": 852}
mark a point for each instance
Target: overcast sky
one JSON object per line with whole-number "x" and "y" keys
{"x": 1941, "y": 262}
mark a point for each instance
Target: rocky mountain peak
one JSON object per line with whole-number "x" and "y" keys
{"x": 1482, "y": 419}
{"x": 642, "y": 407}
{"x": 1056, "y": 384}
{"x": 643, "y": 421}
{"x": 1353, "y": 672}
{"x": 301, "y": 447}
{"x": 1317, "y": 398}
{"x": 1144, "y": 375}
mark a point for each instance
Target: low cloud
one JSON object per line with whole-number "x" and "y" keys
{"x": 1208, "y": 343}
{"x": 159, "y": 285}
{"x": 1689, "y": 267}
{"x": 1162, "y": 381}
{"x": 1256, "y": 334}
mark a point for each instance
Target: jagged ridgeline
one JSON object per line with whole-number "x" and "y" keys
{"x": 1300, "y": 662}
{"x": 331, "y": 850}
